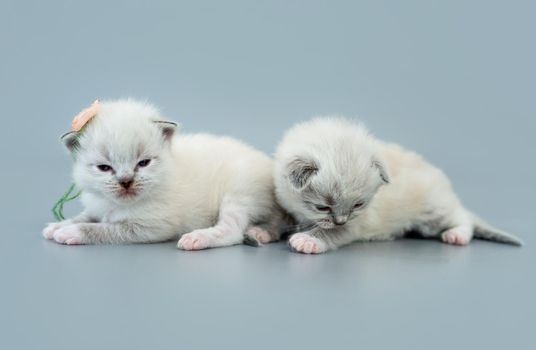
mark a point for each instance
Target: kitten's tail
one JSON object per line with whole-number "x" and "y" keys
{"x": 483, "y": 230}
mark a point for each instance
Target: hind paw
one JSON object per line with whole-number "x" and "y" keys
{"x": 259, "y": 234}
{"x": 457, "y": 236}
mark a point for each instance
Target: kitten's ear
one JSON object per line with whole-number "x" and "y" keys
{"x": 70, "y": 140}
{"x": 168, "y": 128}
{"x": 300, "y": 171}
{"x": 381, "y": 168}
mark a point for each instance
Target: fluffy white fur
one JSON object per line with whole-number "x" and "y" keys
{"x": 344, "y": 185}
{"x": 210, "y": 191}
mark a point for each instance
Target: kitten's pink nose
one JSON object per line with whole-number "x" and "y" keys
{"x": 126, "y": 183}
{"x": 340, "y": 219}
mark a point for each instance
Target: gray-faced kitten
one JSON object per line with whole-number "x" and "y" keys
{"x": 141, "y": 182}
{"x": 345, "y": 185}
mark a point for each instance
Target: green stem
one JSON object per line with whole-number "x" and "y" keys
{"x": 57, "y": 209}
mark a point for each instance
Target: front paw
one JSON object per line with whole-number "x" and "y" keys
{"x": 69, "y": 234}
{"x": 307, "y": 244}
{"x": 195, "y": 240}
{"x": 48, "y": 232}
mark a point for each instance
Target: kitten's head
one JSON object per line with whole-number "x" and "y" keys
{"x": 123, "y": 153}
{"x": 331, "y": 171}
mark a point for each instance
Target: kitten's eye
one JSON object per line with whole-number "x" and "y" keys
{"x": 144, "y": 163}
{"x": 322, "y": 208}
{"x": 358, "y": 205}
{"x": 104, "y": 167}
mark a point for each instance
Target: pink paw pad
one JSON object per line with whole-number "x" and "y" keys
{"x": 259, "y": 234}
{"x": 455, "y": 237}
{"x": 196, "y": 240}
{"x": 304, "y": 243}
{"x": 70, "y": 235}
{"x": 48, "y": 231}
{"x": 73, "y": 241}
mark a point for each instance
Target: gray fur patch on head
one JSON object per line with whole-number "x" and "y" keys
{"x": 70, "y": 140}
{"x": 300, "y": 171}
{"x": 168, "y": 128}
{"x": 381, "y": 168}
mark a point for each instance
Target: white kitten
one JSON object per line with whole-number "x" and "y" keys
{"x": 141, "y": 183}
{"x": 332, "y": 175}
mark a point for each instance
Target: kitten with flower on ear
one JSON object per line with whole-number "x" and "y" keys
{"x": 141, "y": 182}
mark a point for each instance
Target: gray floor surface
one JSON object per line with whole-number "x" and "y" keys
{"x": 453, "y": 80}
{"x": 407, "y": 294}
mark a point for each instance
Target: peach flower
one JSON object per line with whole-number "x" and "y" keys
{"x": 85, "y": 116}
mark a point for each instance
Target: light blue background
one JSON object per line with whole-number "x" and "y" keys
{"x": 454, "y": 80}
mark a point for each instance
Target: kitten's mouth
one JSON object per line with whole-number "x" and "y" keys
{"x": 129, "y": 193}
{"x": 325, "y": 224}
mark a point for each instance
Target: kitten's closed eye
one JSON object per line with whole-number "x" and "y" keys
{"x": 322, "y": 208}
{"x": 104, "y": 167}
{"x": 144, "y": 163}
{"x": 358, "y": 205}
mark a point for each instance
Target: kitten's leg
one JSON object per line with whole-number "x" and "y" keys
{"x": 102, "y": 233}
{"x": 48, "y": 231}
{"x": 232, "y": 222}
{"x": 319, "y": 241}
